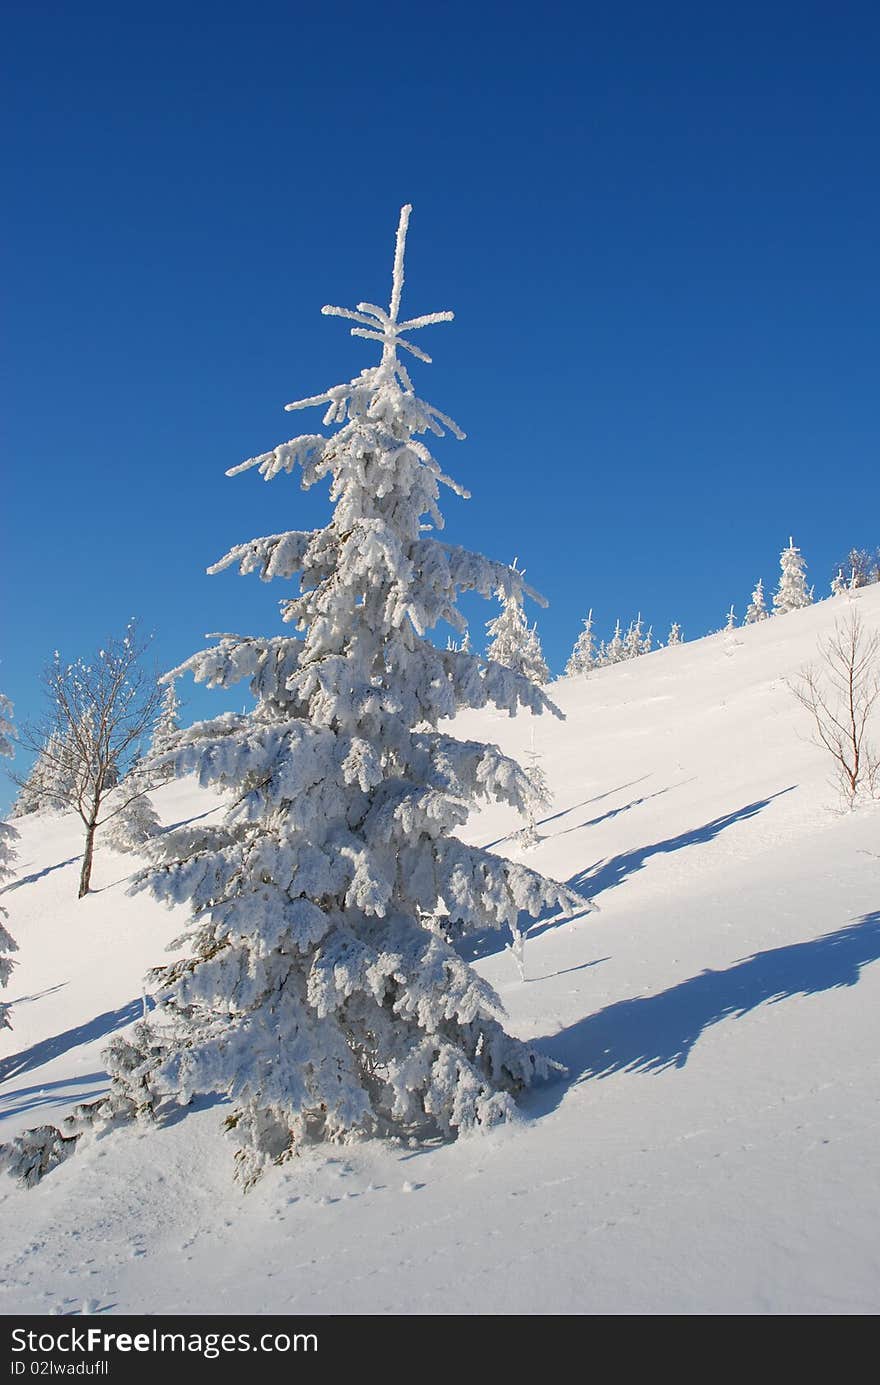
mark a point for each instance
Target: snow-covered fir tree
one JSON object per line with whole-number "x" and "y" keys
{"x": 757, "y": 608}
{"x": 62, "y": 772}
{"x": 731, "y": 620}
{"x": 165, "y": 734}
{"x": 863, "y": 567}
{"x": 647, "y": 641}
{"x": 319, "y": 994}
{"x": 8, "y": 838}
{"x": 792, "y": 593}
{"x": 134, "y": 824}
{"x": 539, "y": 797}
{"x": 675, "y": 635}
{"x": 7, "y": 733}
{"x": 838, "y": 583}
{"x": 633, "y": 639}
{"x": 513, "y": 642}
{"x": 37, "y": 793}
{"x": 615, "y": 650}
{"x": 583, "y": 655}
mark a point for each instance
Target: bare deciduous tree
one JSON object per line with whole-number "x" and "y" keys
{"x": 99, "y": 711}
{"x": 840, "y": 695}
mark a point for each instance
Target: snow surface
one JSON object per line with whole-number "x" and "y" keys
{"x": 715, "y": 1148}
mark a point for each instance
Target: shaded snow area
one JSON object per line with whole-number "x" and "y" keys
{"x": 714, "y": 1148}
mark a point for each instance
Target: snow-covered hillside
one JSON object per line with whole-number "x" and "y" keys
{"x": 715, "y": 1146}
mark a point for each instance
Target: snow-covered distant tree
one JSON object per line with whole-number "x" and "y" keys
{"x": 136, "y": 822}
{"x": 757, "y": 608}
{"x": 675, "y": 635}
{"x": 615, "y": 650}
{"x": 863, "y": 567}
{"x": 633, "y": 639}
{"x": 165, "y": 733}
{"x": 839, "y": 583}
{"x": 99, "y": 709}
{"x": 319, "y": 994}
{"x": 36, "y": 793}
{"x": 513, "y": 642}
{"x": 792, "y": 593}
{"x": 8, "y": 838}
{"x": 7, "y": 735}
{"x": 647, "y": 641}
{"x": 731, "y": 620}
{"x": 583, "y": 655}
{"x": 539, "y": 797}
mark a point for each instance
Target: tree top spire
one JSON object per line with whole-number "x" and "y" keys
{"x": 377, "y": 325}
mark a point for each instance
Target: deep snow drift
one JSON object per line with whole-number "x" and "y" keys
{"x": 715, "y": 1146}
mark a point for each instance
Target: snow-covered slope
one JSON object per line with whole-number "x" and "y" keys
{"x": 715, "y": 1147}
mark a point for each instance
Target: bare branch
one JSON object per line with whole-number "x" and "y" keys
{"x": 840, "y": 696}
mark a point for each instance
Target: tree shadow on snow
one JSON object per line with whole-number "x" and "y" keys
{"x": 604, "y": 875}
{"x": 38, "y": 875}
{"x": 564, "y": 812}
{"x": 657, "y": 1032}
{"x": 38, "y": 995}
{"x": 615, "y": 812}
{"x": 50, "y": 1094}
{"x": 47, "y": 1049}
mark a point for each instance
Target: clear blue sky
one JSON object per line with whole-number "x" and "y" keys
{"x": 657, "y": 226}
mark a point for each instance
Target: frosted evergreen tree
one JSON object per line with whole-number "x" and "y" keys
{"x": 8, "y": 838}
{"x": 792, "y": 593}
{"x": 60, "y": 775}
{"x": 36, "y": 794}
{"x": 863, "y": 567}
{"x": 513, "y": 642}
{"x": 839, "y": 584}
{"x": 7, "y": 735}
{"x": 633, "y": 639}
{"x": 731, "y": 621}
{"x": 648, "y": 641}
{"x": 675, "y": 635}
{"x": 757, "y": 608}
{"x": 165, "y": 734}
{"x": 583, "y": 655}
{"x": 615, "y": 650}
{"x": 540, "y": 797}
{"x": 319, "y": 994}
{"x": 135, "y": 823}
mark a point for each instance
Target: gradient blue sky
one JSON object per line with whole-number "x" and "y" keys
{"x": 657, "y": 226}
